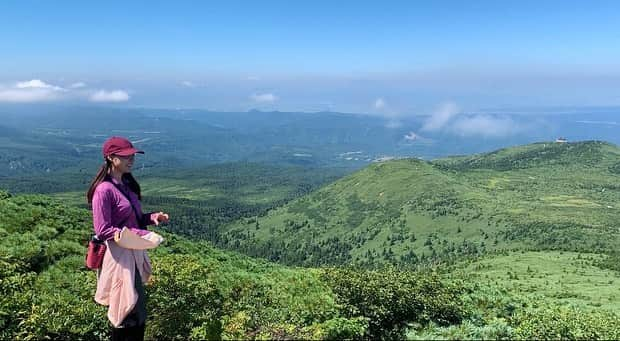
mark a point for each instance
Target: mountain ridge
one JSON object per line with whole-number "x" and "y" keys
{"x": 402, "y": 210}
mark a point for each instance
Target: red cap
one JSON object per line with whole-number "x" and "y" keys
{"x": 119, "y": 146}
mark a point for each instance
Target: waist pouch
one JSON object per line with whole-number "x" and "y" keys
{"x": 94, "y": 254}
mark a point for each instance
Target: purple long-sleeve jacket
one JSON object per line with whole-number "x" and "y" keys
{"x": 112, "y": 211}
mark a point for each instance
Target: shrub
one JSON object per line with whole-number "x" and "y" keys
{"x": 183, "y": 297}
{"x": 391, "y": 299}
{"x": 566, "y": 323}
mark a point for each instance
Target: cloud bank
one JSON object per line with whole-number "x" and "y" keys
{"x": 448, "y": 119}
{"x": 484, "y": 125}
{"x": 30, "y": 91}
{"x": 440, "y": 117}
{"x": 36, "y": 90}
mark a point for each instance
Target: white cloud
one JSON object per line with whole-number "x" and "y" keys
{"x": 440, "y": 117}
{"x": 448, "y": 119}
{"x": 36, "y": 90}
{"x": 188, "y": 84}
{"x": 77, "y": 85}
{"x": 485, "y": 125}
{"x": 383, "y": 109}
{"x": 379, "y": 103}
{"x": 411, "y": 136}
{"x": 264, "y": 98}
{"x": 30, "y": 91}
{"x": 23, "y": 96}
{"x": 109, "y": 96}
{"x": 36, "y": 84}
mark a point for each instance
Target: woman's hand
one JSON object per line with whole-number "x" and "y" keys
{"x": 160, "y": 217}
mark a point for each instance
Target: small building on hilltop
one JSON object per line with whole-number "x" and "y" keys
{"x": 561, "y": 140}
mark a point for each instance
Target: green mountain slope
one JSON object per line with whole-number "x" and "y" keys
{"x": 539, "y": 196}
{"x": 198, "y": 291}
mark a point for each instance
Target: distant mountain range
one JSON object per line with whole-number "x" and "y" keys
{"x": 177, "y": 138}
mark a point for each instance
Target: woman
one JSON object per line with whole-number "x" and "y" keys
{"x": 115, "y": 197}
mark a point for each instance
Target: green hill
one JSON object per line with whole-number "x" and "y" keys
{"x": 198, "y": 291}
{"x": 543, "y": 196}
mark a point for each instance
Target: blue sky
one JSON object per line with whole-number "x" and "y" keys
{"x": 390, "y": 57}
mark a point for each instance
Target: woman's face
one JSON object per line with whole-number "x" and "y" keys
{"x": 122, "y": 164}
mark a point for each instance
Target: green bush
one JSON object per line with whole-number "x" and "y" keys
{"x": 25, "y": 249}
{"x": 15, "y": 296}
{"x": 566, "y": 323}
{"x": 62, "y": 305}
{"x": 496, "y": 329}
{"x": 182, "y": 297}
{"x": 391, "y": 299}
{"x": 343, "y": 329}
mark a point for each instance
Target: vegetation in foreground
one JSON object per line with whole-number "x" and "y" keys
{"x": 198, "y": 291}
{"x": 201, "y": 292}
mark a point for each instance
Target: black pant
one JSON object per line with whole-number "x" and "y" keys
{"x": 128, "y": 334}
{"x": 132, "y": 327}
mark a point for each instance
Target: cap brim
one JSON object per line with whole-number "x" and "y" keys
{"x": 129, "y": 151}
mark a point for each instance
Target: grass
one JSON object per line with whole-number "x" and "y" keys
{"x": 569, "y": 201}
{"x": 560, "y": 278}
